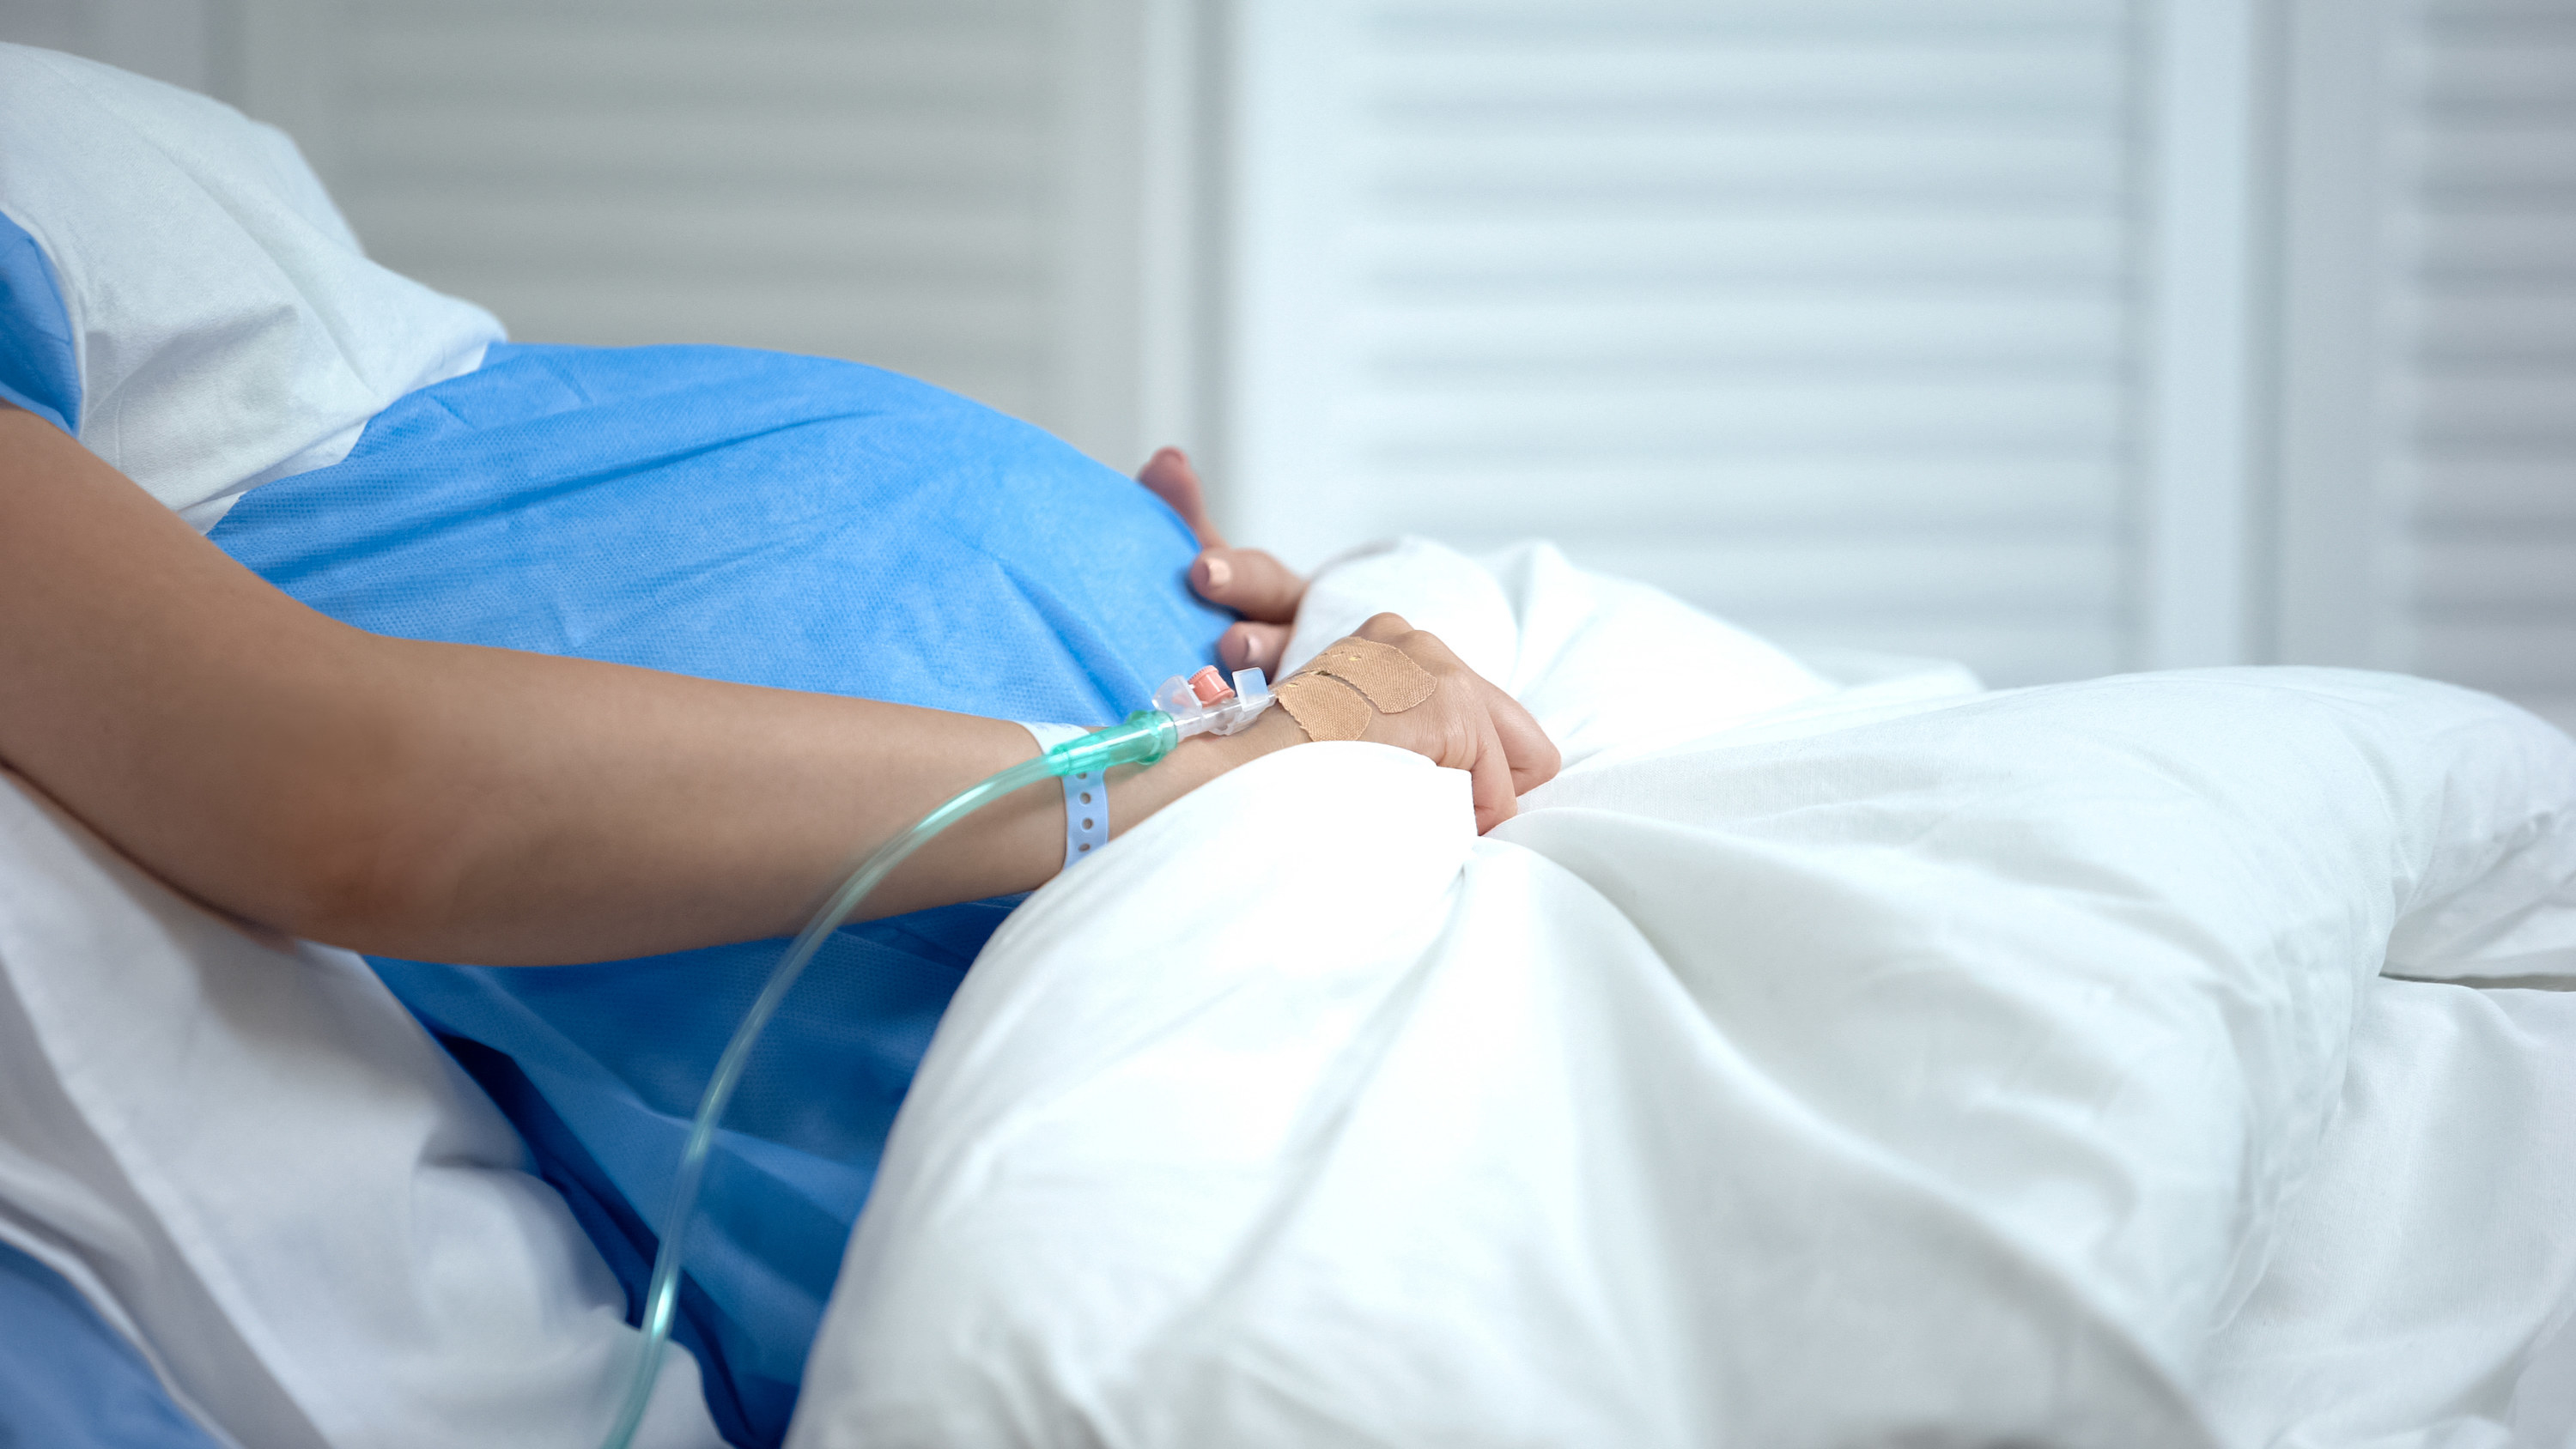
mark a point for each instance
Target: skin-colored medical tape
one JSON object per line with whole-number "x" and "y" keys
{"x": 1351, "y": 681}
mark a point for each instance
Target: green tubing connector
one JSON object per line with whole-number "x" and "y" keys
{"x": 1146, "y": 736}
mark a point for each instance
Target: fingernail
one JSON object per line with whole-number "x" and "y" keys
{"x": 1219, "y": 573}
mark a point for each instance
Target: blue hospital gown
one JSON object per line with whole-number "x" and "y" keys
{"x": 774, "y": 520}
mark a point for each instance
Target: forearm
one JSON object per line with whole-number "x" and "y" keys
{"x": 455, "y": 803}
{"x": 527, "y": 830}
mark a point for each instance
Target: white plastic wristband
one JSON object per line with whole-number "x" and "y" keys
{"x": 1086, "y": 796}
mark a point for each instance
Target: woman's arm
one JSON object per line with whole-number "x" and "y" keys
{"x": 458, "y": 803}
{"x": 455, "y": 803}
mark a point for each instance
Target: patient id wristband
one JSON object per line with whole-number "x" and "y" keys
{"x": 1086, "y": 796}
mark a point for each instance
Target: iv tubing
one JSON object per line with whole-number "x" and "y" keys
{"x": 1145, "y": 737}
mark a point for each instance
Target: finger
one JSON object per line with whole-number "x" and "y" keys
{"x": 1491, "y": 783}
{"x": 1534, "y": 757}
{"x": 1170, "y": 476}
{"x": 1521, "y": 756}
{"x": 1248, "y": 581}
{"x": 1253, "y": 646}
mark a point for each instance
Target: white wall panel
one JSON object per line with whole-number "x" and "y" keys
{"x": 2430, "y": 525}
{"x": 2483, "y": 354}
{"x": 2201, "y": 390}
{"x": 1827, "y": 316}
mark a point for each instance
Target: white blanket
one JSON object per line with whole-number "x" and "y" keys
{"x": 1898, "y": 1064}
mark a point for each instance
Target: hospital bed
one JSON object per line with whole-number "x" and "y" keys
{"x": 1835, "y": 1053}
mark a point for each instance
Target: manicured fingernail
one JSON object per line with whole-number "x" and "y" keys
{"x": 1219, "y": 573}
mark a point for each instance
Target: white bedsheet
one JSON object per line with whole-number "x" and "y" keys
{"x": 2428, "y": 1258}
{"x": 1901, "y": 1064}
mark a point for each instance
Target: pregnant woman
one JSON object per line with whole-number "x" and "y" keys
{"x": 350, "y": 619}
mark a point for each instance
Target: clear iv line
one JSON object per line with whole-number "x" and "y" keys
{"x": 1146, "y": 736}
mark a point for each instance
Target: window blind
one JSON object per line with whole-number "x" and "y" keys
{"x": 1823, "y": 315}
{"x": 865, "y": 180}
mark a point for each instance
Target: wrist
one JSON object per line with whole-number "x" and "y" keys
{"x": 1275, "y": 730}
{"x": 1141, "y": 792}
{"x": 1204, "y": 757}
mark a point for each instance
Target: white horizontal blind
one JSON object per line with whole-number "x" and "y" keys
{"x": 902, "y": 182}
{"x": 2482, "y": 354}
{"x": 1820, "y": 313}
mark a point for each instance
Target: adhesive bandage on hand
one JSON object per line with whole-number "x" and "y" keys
{"x": 1350, "y": 682}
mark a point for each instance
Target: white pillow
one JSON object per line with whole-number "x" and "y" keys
{"x": 258, "y": 1166}
{"x": 227, "y": 328}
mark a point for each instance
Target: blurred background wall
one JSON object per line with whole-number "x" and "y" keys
{"x": 2061, "y": 336}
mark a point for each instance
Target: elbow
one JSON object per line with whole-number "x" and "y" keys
{"x": 341, "y": 881}
{"x": 342, "y": 890}
{"x": 354, "y": 860}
